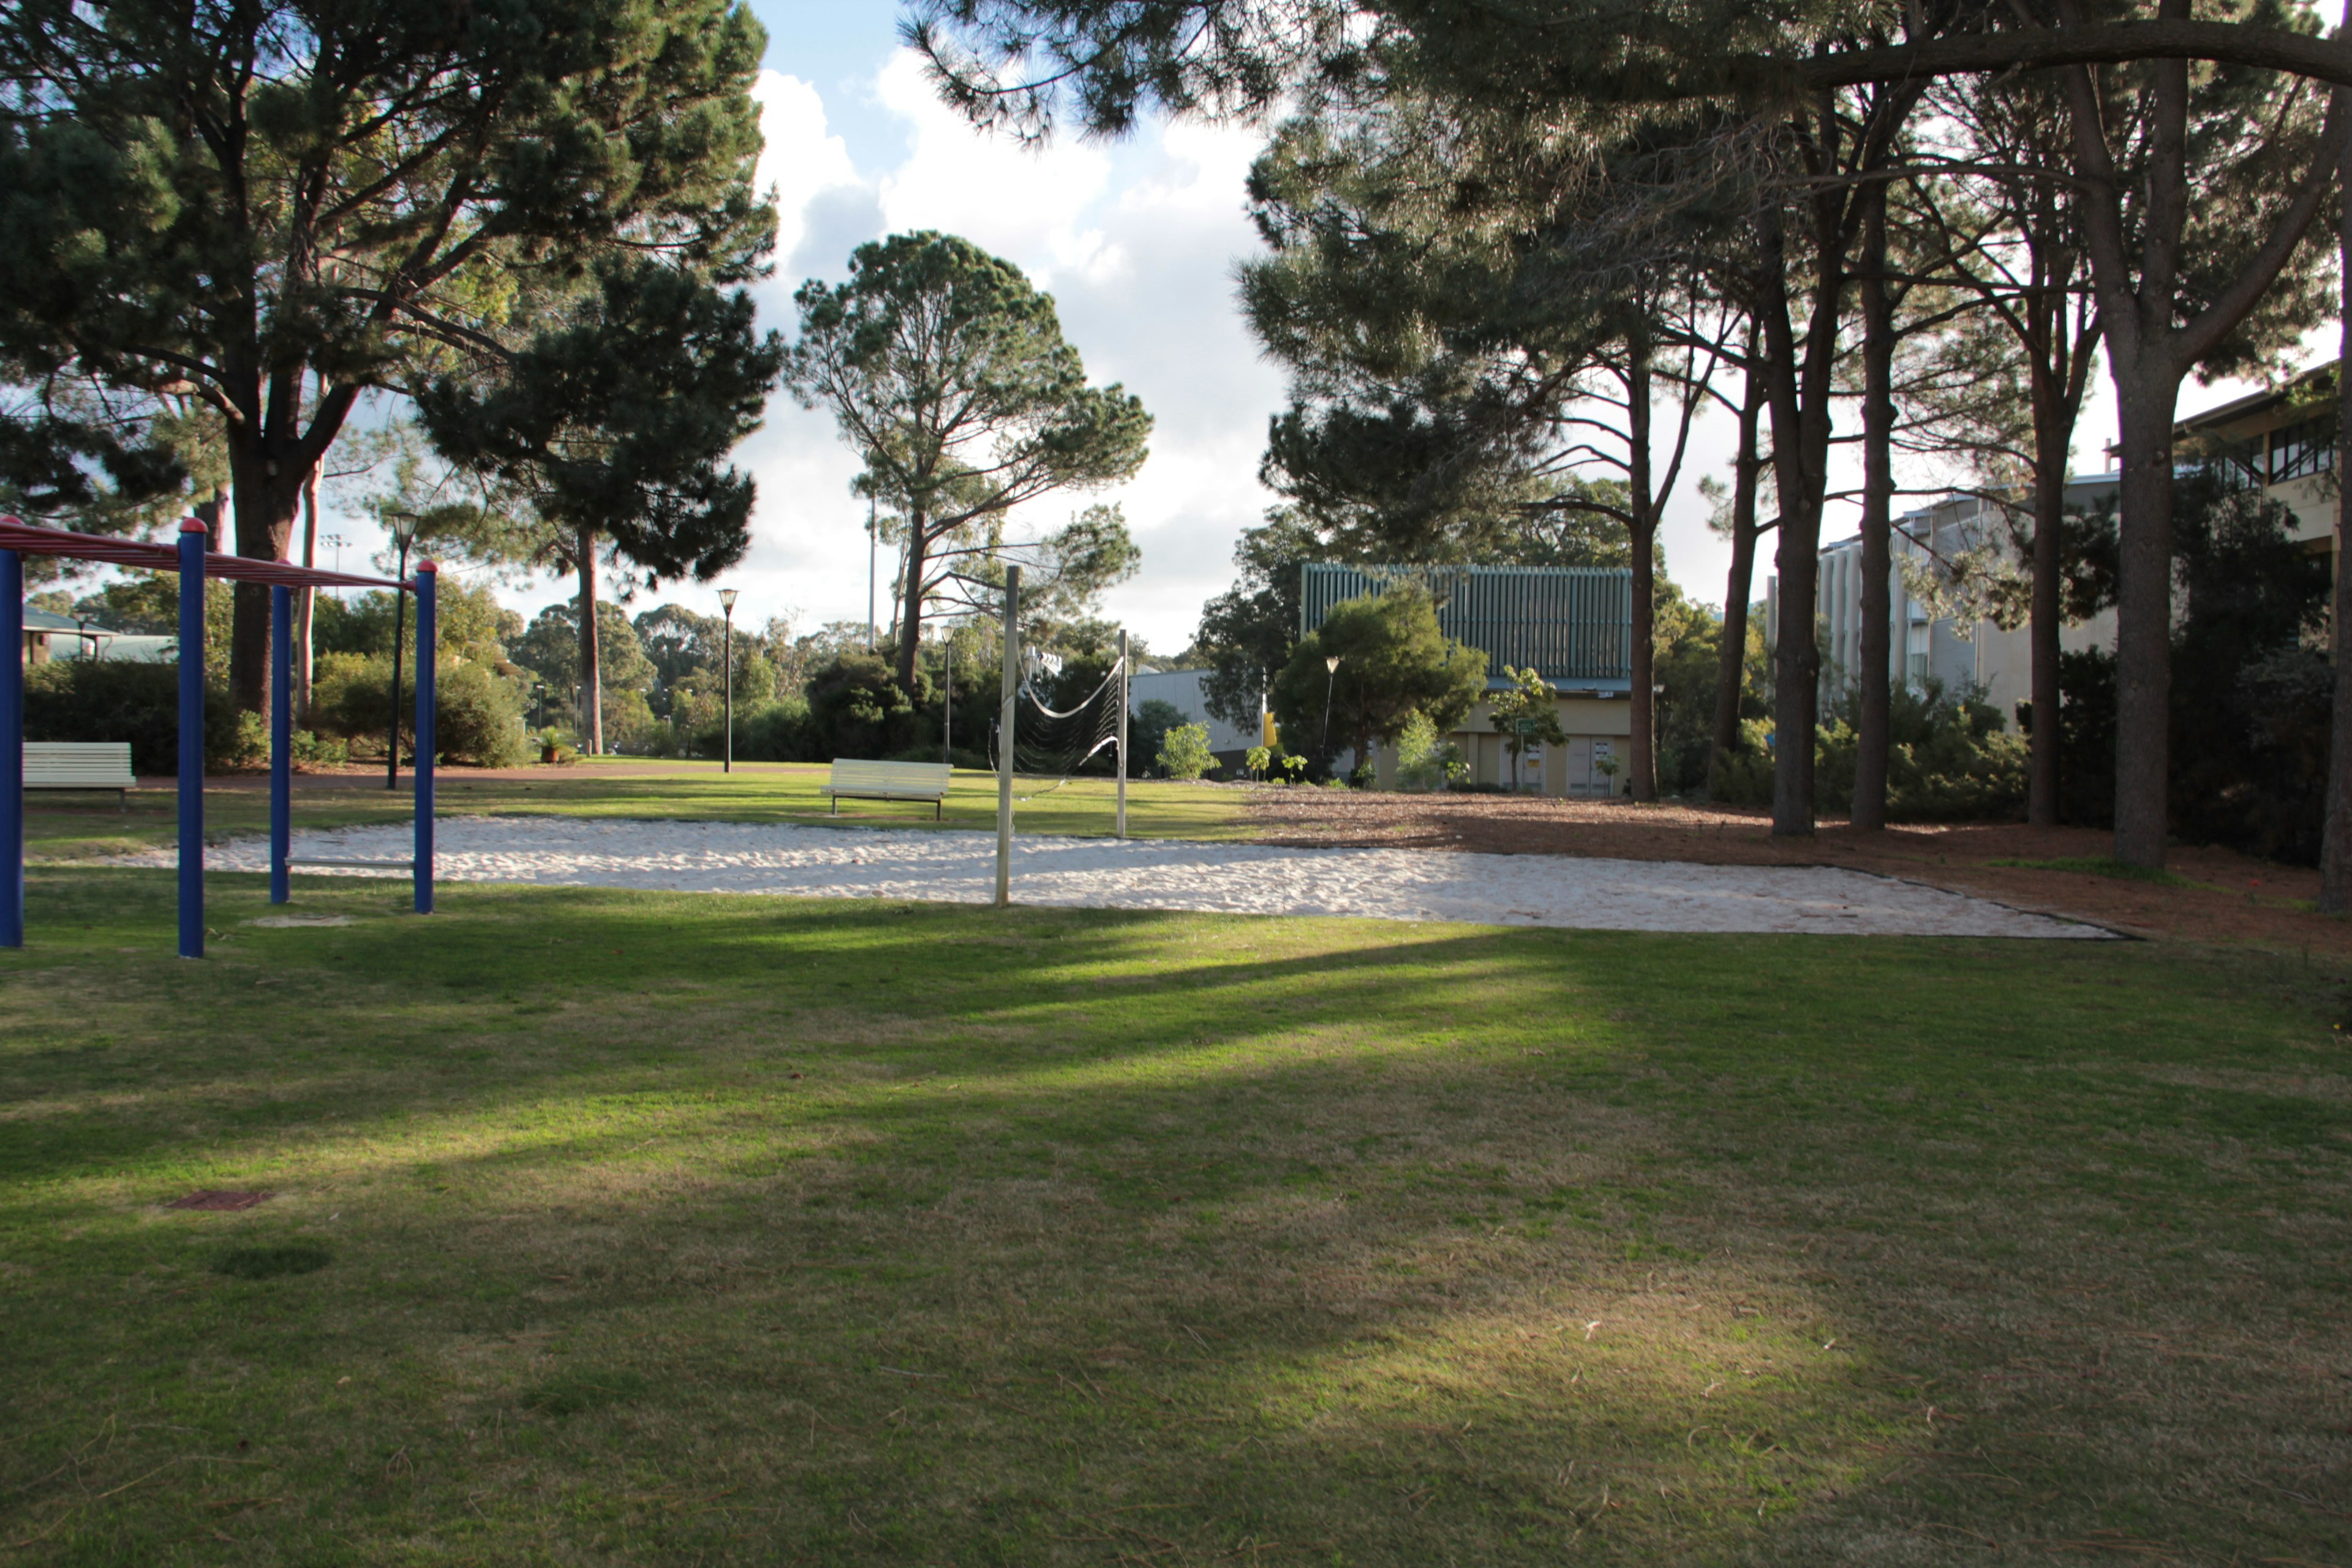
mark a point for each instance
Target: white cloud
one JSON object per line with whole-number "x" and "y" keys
{"x": 802, "y": 158}
{"x": 1137, "y": 243}
{"x": 1028, "y": 205}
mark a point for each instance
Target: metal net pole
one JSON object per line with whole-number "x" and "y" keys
{"x": 12, "y": 750}
{"x": 1123, "y": 674}
{"x": 192, "y": 739}
{"x": 1007, "y": 709}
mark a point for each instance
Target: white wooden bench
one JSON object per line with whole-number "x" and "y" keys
{"x": 80, "y": 764}
{"x": 890, "y": 781}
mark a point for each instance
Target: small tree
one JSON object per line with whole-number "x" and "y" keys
{"x": 1526, "y": 714}
{"x": 1393, "y": 661}
{"x": 1185, "y": 754}
{"x": 1425, "y": 762}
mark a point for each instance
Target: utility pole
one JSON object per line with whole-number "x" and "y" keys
{"x": 870, "y": 537}
{"x": 1004, "y": 737}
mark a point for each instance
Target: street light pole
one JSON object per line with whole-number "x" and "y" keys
{"x": 726, "y": 604}
{"x": 403, "y": 533}
{"x": 1330, "y": 678}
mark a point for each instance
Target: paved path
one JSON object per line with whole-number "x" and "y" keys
{"x": 1170, "y": 874}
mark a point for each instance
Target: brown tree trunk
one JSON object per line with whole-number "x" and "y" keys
{"x": 2049, "y": 519}
{"x": 1644, "y": 533}
{"x": 1732, "y": 658}
{"x": 591, "y": 669}
{"x": 1873, "y": 677}
{"x": 1799, "y": 401}
{"x": 306, "y": 599}
{"x": 2143, "y": 415}
{"x": 2335, "y": 843}
{"x": 910, "y": 624}
{"x": 265, "y": 505}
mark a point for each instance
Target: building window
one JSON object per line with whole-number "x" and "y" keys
{"x": 2300, "y": 449}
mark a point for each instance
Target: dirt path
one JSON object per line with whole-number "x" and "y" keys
{"x": 2222, "y": 897}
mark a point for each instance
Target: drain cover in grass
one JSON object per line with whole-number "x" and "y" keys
{"x": 273, "y": 1262}
{"x": 301, "y": 921}
{"x": 221, "y": 1200}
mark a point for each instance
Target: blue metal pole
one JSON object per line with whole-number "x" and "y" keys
{"x": 12, "y": 750}
{"x": 281, "y": 739}
{"x": 427, "y": 574}
{"x": 192, "y": 739}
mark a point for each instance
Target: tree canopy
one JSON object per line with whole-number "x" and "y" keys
{"x": 949, "y": 375}
{"x": 270, "y": 209}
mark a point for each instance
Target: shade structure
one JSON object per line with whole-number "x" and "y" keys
{"x": 194, "y": 564}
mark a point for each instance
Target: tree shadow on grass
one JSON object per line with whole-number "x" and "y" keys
{"x": 1292, "y": 1245}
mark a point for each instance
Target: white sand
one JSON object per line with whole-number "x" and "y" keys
{"x": 1164, "y": 874}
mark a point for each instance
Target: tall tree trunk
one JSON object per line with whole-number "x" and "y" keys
{"x": 1732, "y": 658}
{"x": 592, "y": 668}
{"x": 910, "y": 624}
{"x": 1873, "y": 678}
{"x": 1799, "y": 401}
{"x": 1644, "y": 532}
{"x": 265, "y": 504}
{"x": 2051, "y": 449}
{"x": 2336, "y": 844}
{"x": 306, "y": 599}
{"x": 2146, "y": 392}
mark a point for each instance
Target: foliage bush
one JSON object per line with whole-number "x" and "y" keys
{"x": 2251, "y": 695}
{"x": 1148, "y": 727}
{"x": 1948, "y": 760}
{"x": 105, "y": 700}
{"x": 857, "y": 708}
{"x": 1184, "y": 754}
{"x": 1425, "y": 763}
{"x": 477, "y": 716}
{"x": 776, "y": 732}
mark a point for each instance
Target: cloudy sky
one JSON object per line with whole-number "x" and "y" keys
{"x": 1136, "y": 242}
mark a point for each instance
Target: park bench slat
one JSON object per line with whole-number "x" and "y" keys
{"x": 79, "y": 764}
{"x": 861, "y": 780}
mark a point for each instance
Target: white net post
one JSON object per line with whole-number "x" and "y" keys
{"x": 1004, "y": 736}
{"x": 1123, "y": 731}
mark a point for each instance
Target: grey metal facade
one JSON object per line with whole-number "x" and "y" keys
{"x": 1573, "y": 624}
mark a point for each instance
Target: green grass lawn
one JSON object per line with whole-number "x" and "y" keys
{"x": 82, "y": 827}
{"x": 645, "y": 1229}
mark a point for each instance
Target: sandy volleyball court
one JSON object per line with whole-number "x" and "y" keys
{"x": 1168, "y": 874}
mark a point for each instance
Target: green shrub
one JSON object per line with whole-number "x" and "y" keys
{"x": 774, "y": 731}
{"x": 1184, "y": 754}
{"x": 1949, "y": 758}
{"x": 857, "y": 708}
{"x": 104, "y": 699}
{"x": 1423, "y": 762}
{"x": 477, "y": 716}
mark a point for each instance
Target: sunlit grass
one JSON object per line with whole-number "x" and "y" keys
{"x": 653, "y": 1228}
{"x": 71, "y": 827}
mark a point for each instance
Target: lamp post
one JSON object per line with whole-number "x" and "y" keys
{"x": 1330, "y": 678}
{"x": 404, "y": 533}
{"x": 727, "y": 606}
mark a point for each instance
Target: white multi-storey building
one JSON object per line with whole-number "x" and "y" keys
{"x": 2274, "y": 438}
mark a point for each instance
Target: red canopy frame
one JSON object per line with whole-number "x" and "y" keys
{"x": 194, "y": 564}
{"x": 25, "y": 539}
